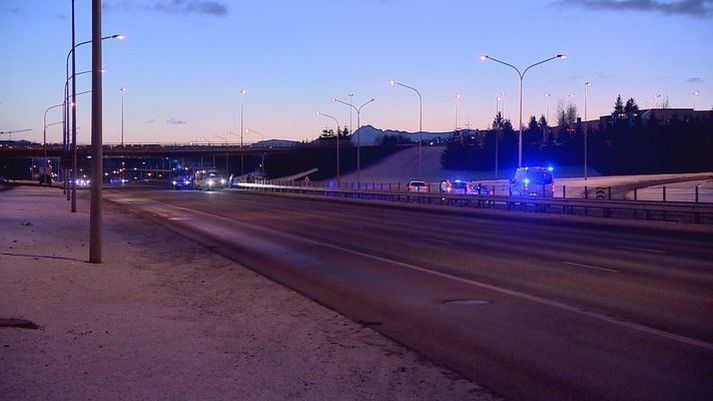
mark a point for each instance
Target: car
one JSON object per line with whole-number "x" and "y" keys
{"x": 182, "y": 181}
{"x": 209, "y": 180}
{"x": 418, "y": 186}
{"x": 456, "y": 187}
{"x": 482, "y": 189}
{"x": 533, "y": 181}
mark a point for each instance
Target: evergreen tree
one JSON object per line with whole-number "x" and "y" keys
{"x": 542, "y": 123}
{"x": 498, "y": 121}
{"x": 618, "y": 106}
{"x": 532, "y": 125}
{"x": 631, "y": 106}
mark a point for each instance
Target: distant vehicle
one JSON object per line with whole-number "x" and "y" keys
{"x": 118, "y": 180}
{"x": 184, "y": 181}
{"x": 82, "y": 182}
{"x": 456, "y": 187}
{"x": 209, "y": 180}
{"x": 481, "y": 189}
{"x": 418, "y": 186}
{"x": 533, "y": 181}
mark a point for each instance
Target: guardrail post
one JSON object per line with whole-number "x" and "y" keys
{"x": 636, "y": 193}
{"x": 399, "y": 186}
{"x": 586, "y": 192}
{"x": 664, "y": 193}
{"x": 389, "y": 187}
{"x": 609, "y": 192}
{"x": 564, "y": 191}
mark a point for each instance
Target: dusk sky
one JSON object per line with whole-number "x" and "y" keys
{"x": 185, "y": 61}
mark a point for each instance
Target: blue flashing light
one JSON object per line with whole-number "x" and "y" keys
{"x": 526, "y": 181}
{"x": 550, "y": 169}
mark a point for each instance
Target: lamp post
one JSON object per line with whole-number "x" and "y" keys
{"x": 587, "y": 85}
{"x": 262, "y": 137}
{"x": 243, "y": 92}
{"x": 547, "y": 107}
{"x": 358, "y": 111}
{"x": 420, "y": 120}
{"x": 456, "y": 98}
{"x": 656, "y": 98}
{"x": 95, "y": 205}
{"x": 226, "y": 153}
{"x": 498, "y": 99}
{"x": 44, "y": 131}
{"x": 695, "y": 94}
{"x": 522, "y": 76}
{"x": 72, "y": 53}
{"x": 351, "y": 96}
{"x": 123, "y": 90}
{"x": 336, "y": 122}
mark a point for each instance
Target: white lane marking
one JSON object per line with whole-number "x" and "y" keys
{"x": 533, "y": 298}
{"x": 633, "y": 248}
{"x": 591, "y": 267}
{"x": 179, "y": 218}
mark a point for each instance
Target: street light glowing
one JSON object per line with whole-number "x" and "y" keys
{"x": 316, "y": 113}
{"x": 484, "y": 57}
{"x": 392, "y": 82}
{"x": 120, "y": 36}
{"x": 588, "y": 83}
{"x": 562, "y": 56}
{"x": 457, "y": 96}
{"x": 243, "y": 91}
{"x": 123, "y": 89}
{"x": 334, "y": 99}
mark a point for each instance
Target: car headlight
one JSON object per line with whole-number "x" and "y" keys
{"x": 222, "y": 181}
{"x": 187, "y": 182}
{"x": 174, "y": 182}
{"x": 210, "y": 183}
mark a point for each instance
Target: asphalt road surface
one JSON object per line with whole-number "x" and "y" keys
{"x": 533, "y": 311}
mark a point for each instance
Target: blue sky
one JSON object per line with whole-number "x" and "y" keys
{"x": 185, "y": 61}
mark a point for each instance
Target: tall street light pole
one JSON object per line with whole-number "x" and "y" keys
{"x": 420, "y": 120}
{"x": 522, "y": 76}
{"x": 73, "y": 103}
{"x": 95, "y": 209}
{"x": 123, "y": 90}
{"x": 456, "y": 98}
{"x": 336, "y": 122}
{"x": 262, "y": 137}
{"x": 243, "y": 92}
{"x": 358, "y": 111}
{"x": 587, "y": 85}
{"x": 351, "y": 96}
{"x": 497, "y": 133}
{"x": 695, "y": 94}
{"x": 44, "y": 132}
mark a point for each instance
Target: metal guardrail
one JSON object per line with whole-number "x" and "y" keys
{"x": 649, "y": 210}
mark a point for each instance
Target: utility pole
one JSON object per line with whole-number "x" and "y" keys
{"x": 95, "y": 209}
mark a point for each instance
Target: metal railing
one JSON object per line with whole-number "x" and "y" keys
{"x": 649, "y": 210}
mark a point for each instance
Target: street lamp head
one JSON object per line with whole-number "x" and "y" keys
{"x": 102, "y": 70}
{"x": 562, "y": 56}
{"x": 123, "y": 89}
{"x": 243, "y": 91}
{"x": 334, "y": 99}
{"x": 392, "y": 82}
{"x": 695, "y": 93}
{"x": 484, "y": 57}
{"x": 119, "y": 36}
{"x": 316, "y": 114}
{"x": 457, "y": 96}
{"x": 548, "y": 94}
{"x": 588, "y": 83}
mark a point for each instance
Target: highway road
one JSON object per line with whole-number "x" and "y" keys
{"x": 531, "y": 310}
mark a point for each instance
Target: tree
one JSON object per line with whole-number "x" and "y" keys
{"x": 544, "y": 127}
{"x": 498, "y": 121}
{"x": 618, "y": 106}
{"x": 327, "y": 134}
{"x": 631, "y": 107}
{"x": 532, "y": 125}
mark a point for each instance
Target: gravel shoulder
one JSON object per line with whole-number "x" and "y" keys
{"x": 164, "y": 318}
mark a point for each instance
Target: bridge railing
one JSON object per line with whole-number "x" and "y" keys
{"x": 650, "y": 210}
